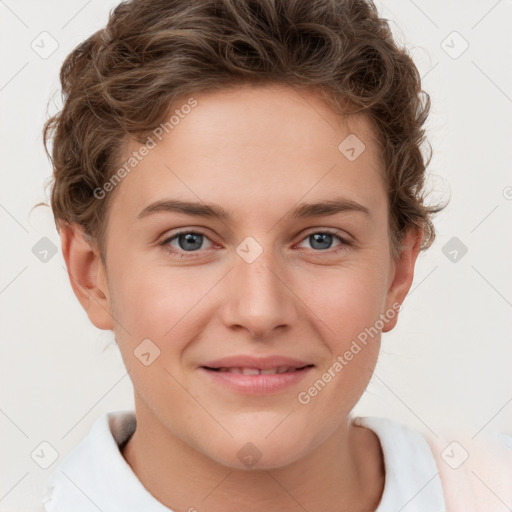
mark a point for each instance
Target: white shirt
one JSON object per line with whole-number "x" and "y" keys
{"x": 95, "y": 476}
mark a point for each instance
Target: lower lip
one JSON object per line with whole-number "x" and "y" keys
{"x": 261, "y": 384}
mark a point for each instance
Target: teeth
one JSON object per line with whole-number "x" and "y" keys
{"x": 250, "y": 371}
{"x": 256, "y": 371}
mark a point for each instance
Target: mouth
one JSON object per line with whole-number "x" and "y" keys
{"x": 256, "y": 381}
{"x": 258, "y": 371}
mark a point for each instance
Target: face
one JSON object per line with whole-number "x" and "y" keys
{"x": 270, "y": 278}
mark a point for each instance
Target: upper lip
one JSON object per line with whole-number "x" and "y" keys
{"x": 262, "y": 363}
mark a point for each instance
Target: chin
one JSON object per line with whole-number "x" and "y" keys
{"x": 262, "y": 454}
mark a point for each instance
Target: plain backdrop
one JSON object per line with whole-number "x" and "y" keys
{"x": 448, "y": 361}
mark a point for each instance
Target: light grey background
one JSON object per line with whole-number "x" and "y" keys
{"x": 446, "y": 364}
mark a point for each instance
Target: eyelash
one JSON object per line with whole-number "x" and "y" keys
{"x": 191, "y": 254}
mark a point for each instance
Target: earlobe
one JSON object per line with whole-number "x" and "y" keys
{"x": 403, "y": 274}
{"x": 87, "y": 275}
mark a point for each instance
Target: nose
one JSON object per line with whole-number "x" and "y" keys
{"x": 258, "y": 297}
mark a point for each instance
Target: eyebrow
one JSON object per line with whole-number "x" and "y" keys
{"x": 303, "y": 210}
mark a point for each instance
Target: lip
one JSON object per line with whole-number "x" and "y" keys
{"x": 261, "y": 384}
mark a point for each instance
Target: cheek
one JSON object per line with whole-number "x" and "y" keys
{"x": 157, "y": 301}
{"x": 348, "y": 307}
{"x": 157, "y": 311}
{"x": 166, "y": 306}
{"x": 352, "y": 339}
{"x": 346, "y": 302}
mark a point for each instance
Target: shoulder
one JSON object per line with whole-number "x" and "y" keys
{"x": 475, "y": 470}
{"x": 95, "y": 464}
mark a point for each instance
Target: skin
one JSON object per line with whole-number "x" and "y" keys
{"x": 256, "y": 151}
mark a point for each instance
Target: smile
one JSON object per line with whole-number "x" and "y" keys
{"x": 256, "y": 381}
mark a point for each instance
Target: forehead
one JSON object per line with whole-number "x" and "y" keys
{"x": 254, "y": 147}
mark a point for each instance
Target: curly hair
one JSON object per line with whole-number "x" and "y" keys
{"x": 120, "y": 82}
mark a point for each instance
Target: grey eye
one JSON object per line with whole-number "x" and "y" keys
{"x": 321, "y": 240}
{"x": 190, "y": 241}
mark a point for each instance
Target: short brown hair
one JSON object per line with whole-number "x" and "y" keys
{"x": 120, "y": 82}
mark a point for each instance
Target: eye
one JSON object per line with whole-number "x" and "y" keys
{"x": 322, "y": 241}
{"x": 187, "y": 242}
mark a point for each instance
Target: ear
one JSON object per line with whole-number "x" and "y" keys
{"x": 402, "y": 274}
{"x": 87, "y": 275}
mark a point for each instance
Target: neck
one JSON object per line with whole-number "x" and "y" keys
{"x": 346, "y": 470}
